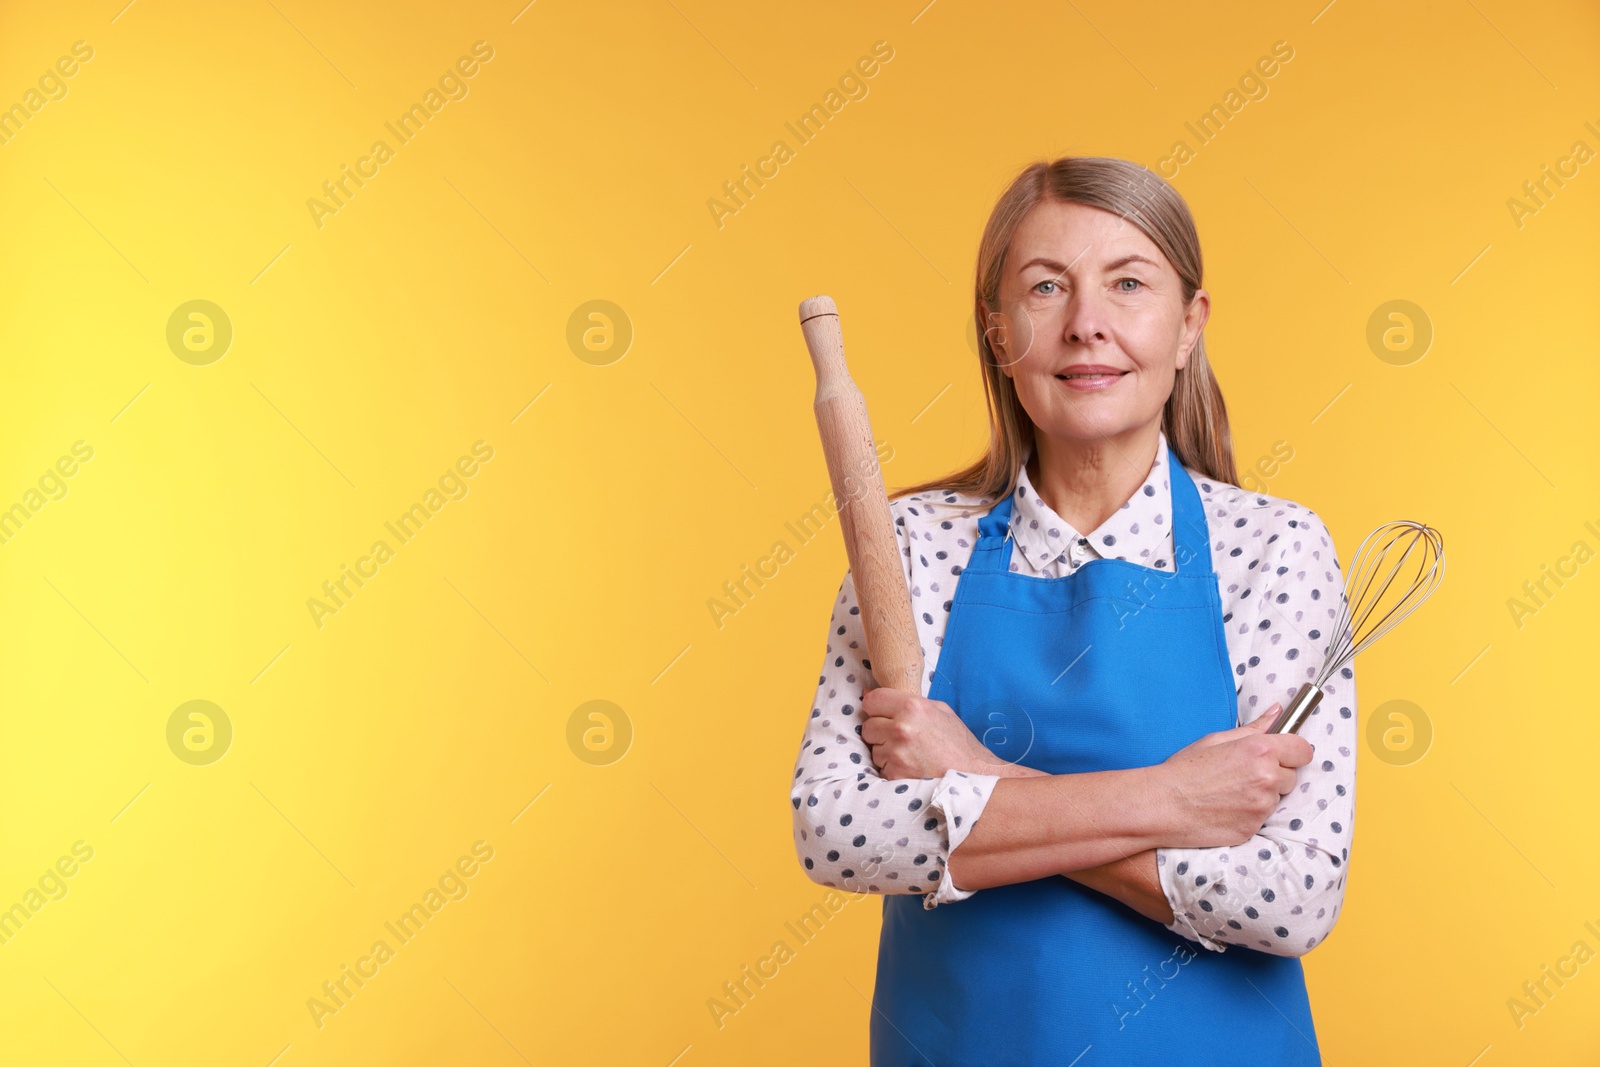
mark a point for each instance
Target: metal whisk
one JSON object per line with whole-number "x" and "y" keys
{"x": 1397, "y": 567}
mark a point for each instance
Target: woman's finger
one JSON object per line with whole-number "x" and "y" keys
{"x": 1295, "y": 751}
{"x": 1254, "y": 726}
{"x": 883, "y": 701}
{"x": 1264, "y": 720}
{"x": 875, "y": 730}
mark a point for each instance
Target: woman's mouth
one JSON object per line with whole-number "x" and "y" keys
{"x": 1090, "y": 380}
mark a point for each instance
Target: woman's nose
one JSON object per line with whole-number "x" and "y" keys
{"x": 1083, "y": 320}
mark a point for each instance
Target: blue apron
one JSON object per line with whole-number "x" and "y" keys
{"x": 1112, "y": 667}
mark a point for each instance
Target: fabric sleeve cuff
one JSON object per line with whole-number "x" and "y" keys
{"x": 1180, "y": 925}
{"x": 961, "y": 796}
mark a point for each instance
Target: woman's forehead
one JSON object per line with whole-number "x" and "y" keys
{"x": 1079, "y": 237}
{"x": 1055, "y": 225}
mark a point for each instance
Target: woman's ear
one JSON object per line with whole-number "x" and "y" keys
{"x": 996, "y": 334}
{"x": 1194, "y": 321}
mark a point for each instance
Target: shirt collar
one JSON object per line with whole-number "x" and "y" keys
{"x": 1139, "y": 532}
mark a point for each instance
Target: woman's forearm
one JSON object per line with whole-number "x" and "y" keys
{"x": 1036, "y": 825}
{"x": 1131, "y": 879}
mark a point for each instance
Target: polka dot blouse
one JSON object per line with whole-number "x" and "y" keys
{"x": 1281, "y": 588}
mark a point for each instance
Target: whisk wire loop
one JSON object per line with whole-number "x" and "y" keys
{"x": 1405, "y": 561}
{"x": 1404, "y": 577}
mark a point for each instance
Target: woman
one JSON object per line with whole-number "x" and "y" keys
{"x": 1108, "y": 625}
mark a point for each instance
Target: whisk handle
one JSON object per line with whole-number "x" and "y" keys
{"x": 1299, "y": 709}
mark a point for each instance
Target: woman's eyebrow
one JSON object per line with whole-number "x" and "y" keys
{"x": 1041, "y": 261}
{"x": 1116, "y": 264}
{"x": 1133, "y": 258}
{"x": 1060, "y": 268}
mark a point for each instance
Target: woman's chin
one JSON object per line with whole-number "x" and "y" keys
{"x": 1099, "y": 427}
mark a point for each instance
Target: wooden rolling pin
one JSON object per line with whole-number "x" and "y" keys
{"x": 869, "y": 538}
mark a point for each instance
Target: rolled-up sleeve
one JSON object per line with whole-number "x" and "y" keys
{"x": 854, "y": 829}
{"x": 1281, "y": 891}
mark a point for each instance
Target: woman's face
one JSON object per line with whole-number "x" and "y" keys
{"x": 1086, "y": 292}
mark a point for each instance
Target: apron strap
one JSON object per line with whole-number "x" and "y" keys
{"x": 1191, "y": 541}
{"x": 992, "y": 553}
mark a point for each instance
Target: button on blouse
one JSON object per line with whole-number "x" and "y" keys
{"x": 1281, "y": 588}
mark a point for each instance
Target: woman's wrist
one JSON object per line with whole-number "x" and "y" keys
{"x": 1154, "y": 793}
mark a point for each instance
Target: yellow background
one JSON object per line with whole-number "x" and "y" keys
{"x": 368, "y": 354}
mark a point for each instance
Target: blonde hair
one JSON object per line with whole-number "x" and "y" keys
{"x": 1195, "y": 419}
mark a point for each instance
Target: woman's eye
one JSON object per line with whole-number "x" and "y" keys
{"x": 1135, "y": 281}
{"x": 1047, "y": 281}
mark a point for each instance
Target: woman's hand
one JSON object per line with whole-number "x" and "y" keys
{"x": 1224, "y": 785}
{"x": 913, "y": 737}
